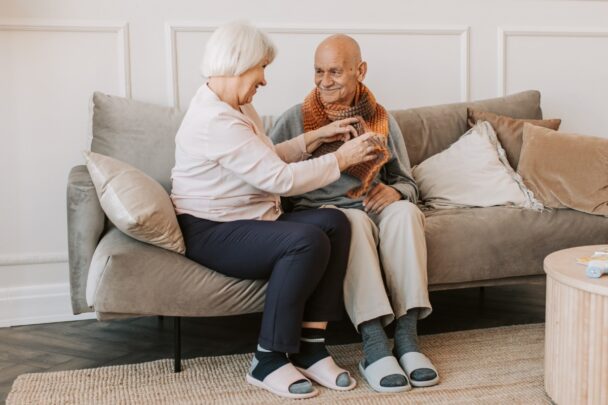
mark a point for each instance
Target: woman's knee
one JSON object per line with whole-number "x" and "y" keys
{"x": 336, "y": 221}
{"x": 309, "y": 239}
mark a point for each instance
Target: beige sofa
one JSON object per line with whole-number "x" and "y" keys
{"x": 466, "y": 247}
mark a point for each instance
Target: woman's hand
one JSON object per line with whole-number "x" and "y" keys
{"x": 341, "y": 130}
{"x": 361, "y": 149}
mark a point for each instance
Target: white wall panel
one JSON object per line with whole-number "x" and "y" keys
{"x": 406, "y": 66}
{"x": 50, "y": 74}
{"x": 568, "y": 66}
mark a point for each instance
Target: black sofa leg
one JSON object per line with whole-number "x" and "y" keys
{"x": 177, "y": 367}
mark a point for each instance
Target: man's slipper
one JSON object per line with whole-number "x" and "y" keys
{"x": 379, "y": 369}
{"x": 326, "y": 372}
{"x": 413, "y": 361}
{"x": 279, "y": 381}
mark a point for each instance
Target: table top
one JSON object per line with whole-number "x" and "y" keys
{"x": 562, "y": 266}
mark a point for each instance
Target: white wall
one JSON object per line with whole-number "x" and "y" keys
{"x": 54, "y": 54}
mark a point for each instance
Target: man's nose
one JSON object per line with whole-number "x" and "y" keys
{"x": 326, "y": 80}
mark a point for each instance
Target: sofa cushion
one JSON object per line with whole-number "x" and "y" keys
{"x": 509, "y": 130}
{"x": 140, "y": 279}
{"x": 566, "y": 170}
{"x": 140, "y": 134}
{"x": 474, "y": 244}
{"x": 135, "y": 202}
{"x": 429, "y": 130}
{"x": 472, "y": 172}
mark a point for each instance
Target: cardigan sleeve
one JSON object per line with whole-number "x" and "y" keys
{"x": 292, "y": 150}
{"x": 397, "y": 172}
{"x": 235, "y": 146}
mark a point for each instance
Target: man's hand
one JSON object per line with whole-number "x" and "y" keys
{"x": 379, "y": 197}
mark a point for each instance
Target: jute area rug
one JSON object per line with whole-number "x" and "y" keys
{"x": 486, "y": 366}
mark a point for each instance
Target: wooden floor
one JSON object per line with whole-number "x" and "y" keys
{"x": 84, "y": 344}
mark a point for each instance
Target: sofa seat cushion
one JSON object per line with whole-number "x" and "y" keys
{"x": 141, "y": 279}
{"x": 475, "y": 244}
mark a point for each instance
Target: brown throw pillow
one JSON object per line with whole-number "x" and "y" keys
{"x": 509, "y": 130}
{"x": 565, "y": 170}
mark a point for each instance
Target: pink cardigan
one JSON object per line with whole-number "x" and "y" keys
{"x": 227, "y": 169}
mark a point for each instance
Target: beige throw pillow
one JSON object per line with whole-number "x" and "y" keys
{"x": 566, "y": 170}
{"x": 472, "y": 172}
{"x": 134, "y": 202}
{"x": 509, "y": 130}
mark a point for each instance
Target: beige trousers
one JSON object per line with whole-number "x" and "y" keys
{"x": 387, "y": 247}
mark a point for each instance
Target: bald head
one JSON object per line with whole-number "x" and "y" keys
{"x": 339, "y": 69}
{"x": 340, "y": 45}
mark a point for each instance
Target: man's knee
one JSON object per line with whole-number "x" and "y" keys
{"x": 359, "y": 220}
{"x": 403, "y": 211}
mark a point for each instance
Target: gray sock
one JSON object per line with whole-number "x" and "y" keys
{"x": 406, "y": 333}
{"x": 406, "y": 340}
{"x": 375, "y": 347}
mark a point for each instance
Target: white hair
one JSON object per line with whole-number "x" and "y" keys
{"x": 234, "y": 48}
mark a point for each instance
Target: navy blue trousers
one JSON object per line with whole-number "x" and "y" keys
{"x": 303, "y": 255}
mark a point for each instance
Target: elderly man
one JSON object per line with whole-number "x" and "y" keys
{"x": 387, "y": 228}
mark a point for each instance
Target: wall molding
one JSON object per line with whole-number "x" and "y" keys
{"x": 37, "y": 304}
{"x": 33, "y": 258}
{"x": 173, "y": 28}
{"x": 503, "y": 33}
{"x": 121, "y": 29}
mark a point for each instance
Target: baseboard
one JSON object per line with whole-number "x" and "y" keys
{"x": 37, "y": 304}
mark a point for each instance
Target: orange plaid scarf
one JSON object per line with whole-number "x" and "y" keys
{"x": 372, "y": 117}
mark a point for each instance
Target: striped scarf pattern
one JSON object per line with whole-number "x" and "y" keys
{"x": 372, "y": 118}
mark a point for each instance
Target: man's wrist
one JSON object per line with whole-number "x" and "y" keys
{"x": 402, "y": 196}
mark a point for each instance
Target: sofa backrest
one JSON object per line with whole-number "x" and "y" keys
{"x": 429, "y": 130}
{"x": 143, "y": 134}
{"x": 137, "y": 133}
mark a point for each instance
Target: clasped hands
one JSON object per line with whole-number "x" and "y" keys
{"x": 356, "y": 149}
{"x": 341, "y": 130}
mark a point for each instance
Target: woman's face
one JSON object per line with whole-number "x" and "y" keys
{"x": 249, "y": 81}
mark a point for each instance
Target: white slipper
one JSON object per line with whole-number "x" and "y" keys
{"x": 379, "y": 369}
{"x": 325, "y": 372}
{"x": 413, "y": 361}
{"x": 279, "y": 381}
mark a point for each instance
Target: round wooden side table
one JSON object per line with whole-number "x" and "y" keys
{"x": 576, "y": 334}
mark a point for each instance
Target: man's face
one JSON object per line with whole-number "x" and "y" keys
{"x": 337, "y": 75}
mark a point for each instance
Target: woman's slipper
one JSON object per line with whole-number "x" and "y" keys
{"x": 379, "y": 369}
{"x": 326, "y": 372}
{"x": 279, "y": 381}
{"x": 413, "y": 361}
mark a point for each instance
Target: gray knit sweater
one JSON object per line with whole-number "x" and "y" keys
{"x": 395, "y": 173}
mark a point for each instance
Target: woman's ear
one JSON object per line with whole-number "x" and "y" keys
{"x": 361, "y": 71}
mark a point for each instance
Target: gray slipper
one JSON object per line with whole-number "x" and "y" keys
{"x": 379, "y": 369}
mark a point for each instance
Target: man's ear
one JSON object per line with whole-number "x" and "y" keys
{"x": 361, "y": 71}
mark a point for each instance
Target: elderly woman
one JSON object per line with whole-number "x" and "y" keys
{"x": 227, "y": 182}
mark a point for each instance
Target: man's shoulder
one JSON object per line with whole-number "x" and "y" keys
{"x": 288, "y": 124}
{"x": 292, "y": 113}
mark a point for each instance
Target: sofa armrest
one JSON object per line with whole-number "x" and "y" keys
{"x": 86, "y": 222}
